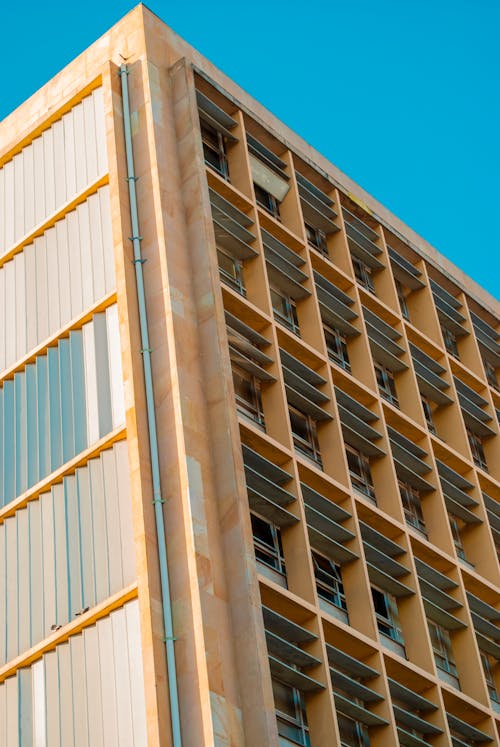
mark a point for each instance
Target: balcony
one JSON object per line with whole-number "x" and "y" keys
{"x": 454, "y": 487}
{"x": 361, "y": 239}
{"x": 324, "y": 525}
{"x": 429, "y": 372}
{"x": 447, "y": 308}
{"x": 410, "y": 710}
{"x": 383, "y": 342}
{"x": 485, "y": 619}
{"x": 384, "y": 570}
{"x": 356, "y": 420}
{"x": 409, "y": 462}
{"x": 266, "y": 494}
{"x": 464, "y": 734}
{"x": 404, "y": 271}
{"x": 335, "y": 306}
{"x": 231, "y": 228}
{"x": 216, "y": 126}
{"x": 316, "y": 208}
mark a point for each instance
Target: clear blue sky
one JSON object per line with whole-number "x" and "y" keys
{"x": 402, "y": 95}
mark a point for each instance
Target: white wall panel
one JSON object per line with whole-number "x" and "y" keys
{"x": 50, "y": 171}
{"x": 53, "y": 280}
{"x": 67, "y": 551}
{"x": 39, "y": 716}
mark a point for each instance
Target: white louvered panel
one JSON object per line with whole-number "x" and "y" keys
{"x": 89, "y": 570}
{"x": 42, "y": 291}
{"x": 29, "y": 191}
{"x": 122, "y": 674}
{"x": 91, "y": 384}
{"x": 24, "y": 677}
{"x": 39, "y": 181}
{"x": 125, "y": 499}
{"x": 31, "y": 297}
{"x": 3, "y": 583}
{"x": 52, "y": 699}
{"x": 101, "y": 560}
{"x": 96, "y": 247}
{"x": 73, "y": 548}
{"x": 48, "y": 171}
{"x": 37, "y": 599}
{"x": 61, "y": 191}
{"x": 61, "y": 561}
{"x": 111, "y": 501}
{"x": 64, "y": 270}
{"x": 10, "y": 313}
{"x": 93, "y": 681}
{"x": 2, "y": 316}
{"x": 23, "y": 590}
{"x": 12, "y": 701}
{"x": 9, "y": 225}
{"x": 115, "y": 367}
{"x": 107, "y": 239}
{"x": 53, "y": 169}
{"x": 3, "y": 714}
{"x": 80, "y": 716}
{"x": 32, "y": 423}
{"x": 136, "y": 674}
{"x": 108, "y": 681}
{"x": 39, "y": 715}
{"x": 65, "y": 695}
{"x": 53, "y": 281}
{"x": 86, "y": 255}
{"x": 12, "y": 626}
{"x": 77, "y": 268}
{"x": 20, "y": 310}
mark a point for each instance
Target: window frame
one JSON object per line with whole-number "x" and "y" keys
{"x": 403, "y": 305}
{"x": 234, "y": 281}
{"x": 450, "y": 342}
{"x": 443, "y": 655}
{"x": 477, "y": 449}
{"x": 338, "y": 353}
{"x": 390, "y": 622}
{"x": 309, "y": 448}
{"x": 268, "y": 201}
{"x": 361, "y": 481}
{"x": 412, "y": 506}
{"x": 332, "y": 585}
{"x": 363, "y": 274}
{"x": 386, "y": 384}
{"x": 316, "y": 238}
{"x": 251, "y": 409}
{"x": 426, "y": 407}
{"x": 288, "y": 316}
{"x": 299, "y": 721}
{"x": 273, "y": 550}
{"x": 217, "y": 146}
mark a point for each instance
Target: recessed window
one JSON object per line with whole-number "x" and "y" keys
{"x": 231, "y": 271}
{"x": 305, "y": 434}
{"x": 456, "y": 525}
{"x": 248, "y": 395}
{"x": 363, "y": 274}
{"x": 290, "y": 714}
{"x": 214, "y": 149}
{"x": 352, "y": 733}
{"x": 387, "y": 616}
{"x": 426, "y": 406}
{"x": 316, "y": 238}
{"x": 476, "y": 447}
{"x": 267, "y": 544}
{"x": 441, "y": 647}
{"x": 488, "y": 663}
{"x": 267, "y": 201}
{"x": 402, "y": 300}
{"x": 329, "y": 581}
{"x": 491, "y": 374}
{"x": 450, "y": 342}
{"x": 360, "y": 473}
{"x": 285, "y": 310}
{"x": 386, "y": 385}
{"x": 412, "y": 506}
{"x": 336, "y": 346}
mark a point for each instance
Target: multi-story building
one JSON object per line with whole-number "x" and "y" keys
{"x": 249, "y": 451}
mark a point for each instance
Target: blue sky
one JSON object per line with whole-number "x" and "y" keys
{"x": 402, "y": 95}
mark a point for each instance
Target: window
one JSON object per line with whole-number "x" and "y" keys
{"x": 359, "y": 470}
{"x": 285, "y": 310}
{"x": 491, "y": 374}
{"x": 231, "y": 271}
{"x": 412, "y": 506}
{"x": 402, "y": 300}
{"x": 267, "y": 201}
{"x": 290, "y": 714}
{"x": 426, "y": 406}
{"x": 267, "y": 544}
{"x": 305, "y": 434}
{"x": 456, "y": 525}
{"x": 363, "y": 274}
{"x": 450, "y": 342}
{"x": 486, "y": 661}
{"x": 386, "y": 613}
{"x": 336, "y": 346}
{"x": 248, "y": 397}
{"x": 316, "y": 238}
{"x": 441, "y": 646}
{"x": 352, "y": 733}
{"x": 329, "y": 581}
{"x": 214, "y": 149}
{"x": 476, "y": 446}
{"x": 386, "y": 385}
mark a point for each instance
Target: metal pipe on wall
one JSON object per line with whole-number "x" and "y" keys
{"x": 151, "y": 416}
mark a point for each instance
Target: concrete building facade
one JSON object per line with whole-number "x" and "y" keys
{"x": 249, "y": 450}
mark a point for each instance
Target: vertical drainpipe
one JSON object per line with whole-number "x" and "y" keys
{"x": 153, "y": 441}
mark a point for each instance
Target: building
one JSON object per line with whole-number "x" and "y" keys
{"x": 249, "y": 451}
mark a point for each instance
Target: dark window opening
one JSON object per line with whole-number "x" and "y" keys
{"x": 305, "y": 434}
{"x": 267, "y": 544}
{"x": 386, "y": 613}
{"x": 359, "y": 470}
{"x": 285, "y": 310}
{"x": 441, "y": 646}
{"x": 386, "y": 384}
{"x": 336, "y": 346}
{"x": 231, "y": 271}
{"x": 266, "y": 200}
{"x": 450, "y": 342}
{"x": 426, "y": 406}
{"x": 363, "y": 274}
{"x": 402, "y": 300}
{"x": 248, "y": 395}
{"x": 329, "y": 581}
{"x": 316, "y": 238}
{"x": 214, "y": 149}
{"x": 476, "y": 447}
{"x": 412, "y": 506}
{"x": 290, "y": 713}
